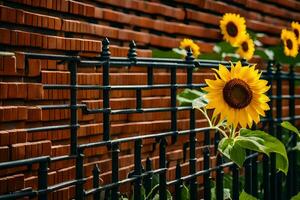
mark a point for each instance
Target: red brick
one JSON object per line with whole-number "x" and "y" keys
{"x": 9, "y": 65}
{"x": 34, "y": 67}
{"x": 22, "y": 90}
{"x": 3, "y": 183}
{"x": 4, "y": 154}
{"x": 18, "y": 151}
{"x": 12, "y": 91}
{"x": 20, "y": 60}
{"x": 4, "y": 138}
{"x": 34, "y": 114}
{"x": 35, "y": 91}
{"x": 22, "y": 113}
{"x": 13, "y": 136}
{"x": 4, "y": 90}
{"x": 21, "y": 135}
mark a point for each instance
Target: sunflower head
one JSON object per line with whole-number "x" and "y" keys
{"x": 246, "y": 47}
{"x": 290, "y": 43}
{"x": 296, "y": 29}
{"x": 238, "y": 95}
{"x": 232, "y": 27}
{"x": 187, "y": 44}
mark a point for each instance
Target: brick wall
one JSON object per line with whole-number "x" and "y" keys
{"x": 60, "y": 27}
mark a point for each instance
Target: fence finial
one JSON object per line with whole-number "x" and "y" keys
{"x": 132, "y": 51}
{"x": 189, "y": 55}
{"x": 105, "y": 54}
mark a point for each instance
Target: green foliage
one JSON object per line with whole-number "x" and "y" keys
{"x": 187, "y": 96}
{"x": 279, "y": 56}
{"x": 296, "y": 197}
{"x": 156, "y": 53}
{"x": 259, "y": 141}
{"x": 290, "y": 127}
{"x": 246, "y": 196}
{"x": 224, "y": 47}
{"x": 226, "y": 192}
{"x": 185, "y": 193}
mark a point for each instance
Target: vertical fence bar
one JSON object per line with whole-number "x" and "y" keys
{"x": 193, "y": 140}
{"x": 206, "y": 160}
{"x": 162, "y": 165}
{"x": 254, "y": 177}
{"x": 115, "y": 170}
{"x": 148, "y": 178}
{"x": 79, "y": 175}
{"x": 278, "y": 127}
{"x": 137, "y": 169}
{"x": 266, "y": 160}
{"x": 291, "y": 183}
{"x": 219, "y": 179}
{"x": 105, "y": 55}
{"x": 235, "y": 182}
{"x": 96, "y": 173}
{"x": 42, "y": 179}
{"x": 73, "y": 106}
{"x": 248, "y": 174}
{"x": 178, "y": 185}
{"x": 173, "y": 104}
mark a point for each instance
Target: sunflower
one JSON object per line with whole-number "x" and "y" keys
{"x": 238, "y": 95}
{"x": 246, "y": 47}
{"x": 290, "y": 43}
{"x": 233, "y": 28}
{"x": 189, "y": 44}
{"x": 296, "y": 29}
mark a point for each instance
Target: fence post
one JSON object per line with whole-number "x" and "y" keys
{"x": 72, "y": 65}
{"x": 219, "y": 179}
{"x": 178, "y": 185}
{"x": 269, "y": 114}
{"x": 105, "y": 56}
{"x": 96, "y": 173}
{"x": 137, "y": 169}
{"x": 148, "y": 178}
{"x": 192, "y": 162}
{"x": 206, "y": 161}
{"x": 173, "y": 104}
{"x": 79, "y": 175}
{"x": 235, "y": 182}
{"x": 115, "y": 170}
{"x": 162, "y": 165}
{"x": 42, "y": 179}
{"x": 291, "y": 185}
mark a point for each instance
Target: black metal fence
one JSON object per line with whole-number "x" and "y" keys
{"x": 268, "y": 185}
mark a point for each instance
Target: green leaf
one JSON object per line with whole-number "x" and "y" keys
{"x": 185, "y": 194}
{"x": 297, "y": 147}
{"x": 165, "y": 54}
{"x": 226, "y": 192}
{"x": 153, "y": 193}
{"x": 246, "y": 196}
{"x": 262, "y": 142}
{"x": 169, "y": 196}
{"x": 296, "y": 197}
{"x": 225, "y": 47}
{"x": 233, "y": 151}
{"x": 187, "y": 96}
{"x": 262, "y": 54}
{"x": 281, "y": 57}
{"x": 290, "y": 127}
{"x": 210, "y": 56}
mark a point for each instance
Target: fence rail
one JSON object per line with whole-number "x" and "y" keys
{"x": 272, "y": 187}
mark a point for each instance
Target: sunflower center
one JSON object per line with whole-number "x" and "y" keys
{"x": 237, "y": 93}
{"x": 245, "y": 46}
{"x": 296, "y": 33}
{"x": 232, "y": 29}
{"x": 289, "y": 44}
